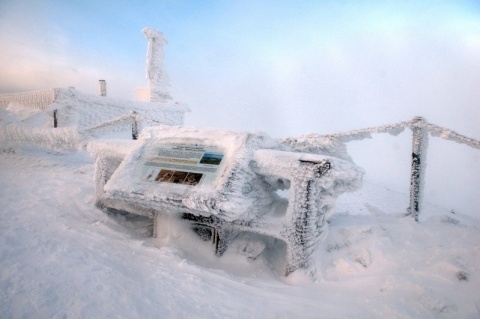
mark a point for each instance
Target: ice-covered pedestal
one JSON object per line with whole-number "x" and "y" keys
{"x": 225, "y": 184}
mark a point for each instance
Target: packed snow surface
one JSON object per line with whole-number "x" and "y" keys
{"x": 61, "y": 257}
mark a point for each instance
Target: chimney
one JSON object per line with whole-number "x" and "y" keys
{"x": 102, "y": 87}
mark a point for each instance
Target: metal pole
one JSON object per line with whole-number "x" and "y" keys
{"x": 417, "y": 177}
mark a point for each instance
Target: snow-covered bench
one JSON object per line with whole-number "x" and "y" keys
{"x": 225, "y": 184}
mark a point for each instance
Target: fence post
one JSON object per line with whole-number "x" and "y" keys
{"x": 417, "y": 177}
{"x": 55, "y": 124}
{"x": 134, "y": 126}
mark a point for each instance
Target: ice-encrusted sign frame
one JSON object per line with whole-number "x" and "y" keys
{"x": 233, "y": 191}
{"x": 239, "y": 197}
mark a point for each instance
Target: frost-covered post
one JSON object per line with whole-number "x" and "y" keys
{"x": 55, "y": 122}
{"x": 417, "y": 178}
{"x": 157, "y": 79}
{"x": 134, "y": 126}
{"x": 307, "y": 215}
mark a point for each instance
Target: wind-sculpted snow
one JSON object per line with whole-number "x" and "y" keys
{"x": 61, "y": 257}
{"x": 110, "y": 148}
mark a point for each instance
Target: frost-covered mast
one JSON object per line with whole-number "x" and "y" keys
{"x": 157, "y": 78}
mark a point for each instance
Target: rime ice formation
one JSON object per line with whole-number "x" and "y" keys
{"x": 29, "y": 118}
{"x": 65, "y": 118}
{"x": 334, "y": 145}
{"x": 419, "y": 153}
{"x": 157, "y": 79}
{"x": 35, "y": 100}
{"x": 240, "y": 198}
{"x": 318, "y": 144}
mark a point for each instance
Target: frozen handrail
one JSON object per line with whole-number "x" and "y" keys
{"x": 420, "y": 129}
{"x": 397, "y": 128}
{"x": 361, "y": 134}
{"x": 451, "y": 135}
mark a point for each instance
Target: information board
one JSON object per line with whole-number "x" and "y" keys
{"x": 186, "y": 164}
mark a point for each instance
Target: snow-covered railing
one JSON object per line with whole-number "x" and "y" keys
{"x": 38, "y": 100}
{"x": 420, "y": 129}
{"x": 133, "y": 117}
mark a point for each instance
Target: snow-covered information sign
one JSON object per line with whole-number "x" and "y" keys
{"x": 186, "y": 164}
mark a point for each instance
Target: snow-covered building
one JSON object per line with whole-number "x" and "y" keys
{"x": 67, "y": 118}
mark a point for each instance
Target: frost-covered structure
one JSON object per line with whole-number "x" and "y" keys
{"x": 66, "y": 118}
{"x": 157, "y": 79}
{"x": 225, "y": 184}
{"x": 419, "y": 162}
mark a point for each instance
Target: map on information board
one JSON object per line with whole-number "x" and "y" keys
{"x": 184, "y": 164}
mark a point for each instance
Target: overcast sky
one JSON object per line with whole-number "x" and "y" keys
{"x": 283, "y": 67}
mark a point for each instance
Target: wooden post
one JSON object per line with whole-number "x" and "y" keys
{"x": 55, "y": 124}
{"x": 417, "y": 177}
{"x": 134, "y": 127}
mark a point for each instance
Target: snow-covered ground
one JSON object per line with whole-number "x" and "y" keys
{"x": 61, "y": 257}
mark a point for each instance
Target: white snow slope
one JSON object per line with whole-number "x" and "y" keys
{"x": 61, "y": 257}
